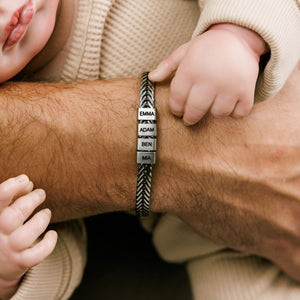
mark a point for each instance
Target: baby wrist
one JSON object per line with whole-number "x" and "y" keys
{"x": 250, "y": 38}
{"x": 8, "y": 283}
{"x": 8, "y": 288}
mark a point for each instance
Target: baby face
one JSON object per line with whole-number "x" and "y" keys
{"x": 25, "y": 28}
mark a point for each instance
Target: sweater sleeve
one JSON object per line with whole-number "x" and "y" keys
{"x": 59, "y": 274}
{"x": 277, "y": 22}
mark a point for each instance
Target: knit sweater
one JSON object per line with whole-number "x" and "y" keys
{"x": 59, "y": 274}
{"x": 277, "y": 22}
{"x": 121, "y": 38}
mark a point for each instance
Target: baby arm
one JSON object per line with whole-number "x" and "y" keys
{"x": 19, "y": 249}
{"x": 216, "y": 72}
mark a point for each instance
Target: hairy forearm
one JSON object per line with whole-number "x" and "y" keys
{"x": 79, "y": 147}
{"x": 234, "y": 181}
{"x": 78, "y": 142}
{"x": 251, "y": 177}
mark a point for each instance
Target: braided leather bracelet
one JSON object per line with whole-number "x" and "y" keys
{"x": 146, "y": 145}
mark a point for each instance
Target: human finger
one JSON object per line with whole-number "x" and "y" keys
{"x": 242, "y": 108}
{"x": 179, "y": 91}
{"x": 15, "y": 215}
{"x": 223, "y": 106}
{"x": 169, "y": 65}
{"x": 12, "y": 188}
{"x": 198, "y": 103}
{"x": 26, "y": 235}
{"x": 35, "y": 255}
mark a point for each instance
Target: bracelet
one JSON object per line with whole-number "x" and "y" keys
{"x": 146, "y": 145}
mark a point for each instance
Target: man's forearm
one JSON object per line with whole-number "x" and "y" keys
{"x": 77, "y": 141}
{"x": 244, "y": 179}
{"x": 235, "y": 181}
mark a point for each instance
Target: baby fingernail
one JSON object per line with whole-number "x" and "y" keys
{"x": 47, "y": 211}
{"x": 176, "y": 113}
{"x": 152, "y": 74}
{"x": 187, "y": 123}
{"x": 22, "y": 179}
{"x": 41, "y": 193}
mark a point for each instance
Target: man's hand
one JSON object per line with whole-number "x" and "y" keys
{"x": 237, "y": 181}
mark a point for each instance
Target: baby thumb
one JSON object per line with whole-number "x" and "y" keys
{"x": 168, "y": 66}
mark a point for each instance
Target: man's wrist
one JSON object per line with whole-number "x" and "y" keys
{"x": 249, "y": 37}
{"x": 176, "y": 161}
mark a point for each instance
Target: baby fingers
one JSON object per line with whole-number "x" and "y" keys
{"x": 242, "y": 108}
{"x": 198, "y": 103}
{"x": 26, "y": 235}
{"x": 35, "y": 255}
{"x": 16, "y": 214}
{"x": 179, "y": 91}
{"x": 12, "y": 188}
{"x": 223, "y": 106}
{"x": 168, "y": 66}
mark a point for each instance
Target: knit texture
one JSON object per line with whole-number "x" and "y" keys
{"x": 217, "y": 272}
{"x": 230, "y": 275}
{"x": 58, "y": 275}
{"x": 84, "y": 54}
{"x": 277, "y": 22}
{"x": 139, "y": 34}
{"x": 122, "y": 38}
{"x": 118, "y": 39}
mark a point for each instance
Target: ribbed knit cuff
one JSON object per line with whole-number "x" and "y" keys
{"x": 83, "y": 59}
{"x": 46, "y": 280}
{"x": 277, "y": 22}
{"x": 60, "y": 273}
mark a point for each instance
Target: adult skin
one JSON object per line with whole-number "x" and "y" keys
{"x": 234, "y": 181}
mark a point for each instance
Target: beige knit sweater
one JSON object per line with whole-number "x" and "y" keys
{"x": 58, "y": 275}
{"x": 120, "y": 38}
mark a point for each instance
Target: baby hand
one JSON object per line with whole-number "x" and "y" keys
{"x": 216, "y": 72}
{"x": 19, "y": 245}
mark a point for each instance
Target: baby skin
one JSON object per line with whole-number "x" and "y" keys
{"x": 215, "y": 72}
{"x": 20, "y": 247}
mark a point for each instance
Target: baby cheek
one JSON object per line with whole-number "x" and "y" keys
{"x": 6, "y": 70}
{"x": 12, "y": 62}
